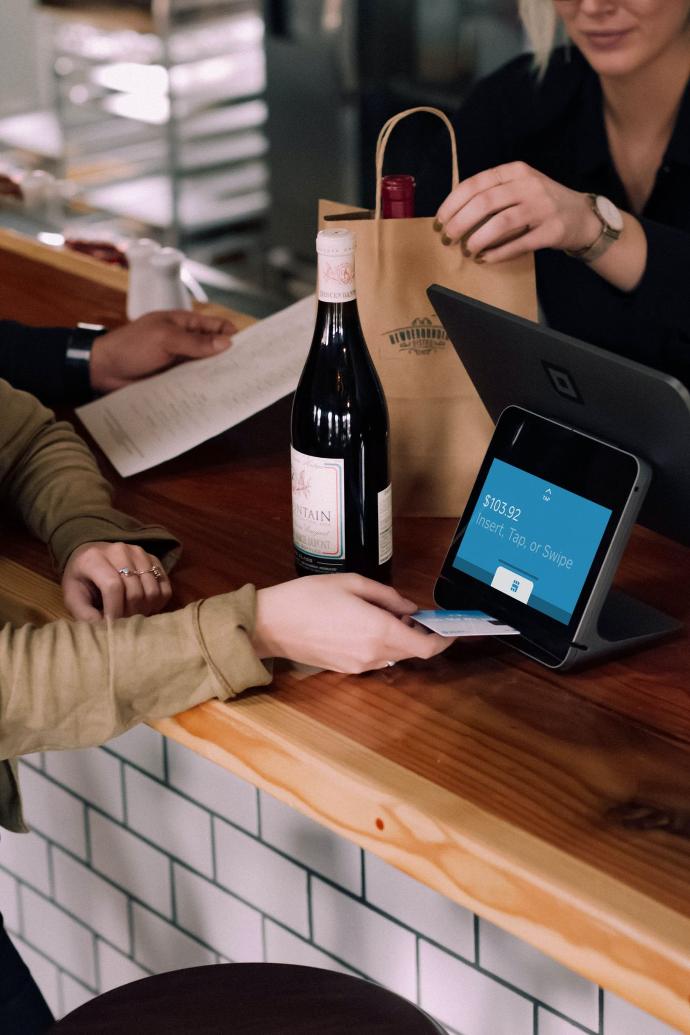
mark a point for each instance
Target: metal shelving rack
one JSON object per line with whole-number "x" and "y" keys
{"x": 162, "y": 113}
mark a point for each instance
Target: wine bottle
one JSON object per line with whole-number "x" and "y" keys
{"x": 341, "y": 491}
{"x": 397, "y": 196}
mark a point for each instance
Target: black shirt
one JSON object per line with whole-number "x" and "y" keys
{"x": 36, "y": 359}
{"x": 556, "y": 125}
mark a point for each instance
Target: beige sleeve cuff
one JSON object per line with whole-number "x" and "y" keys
{"x": 224, "y": 628}
{"x": 111, "y": 526}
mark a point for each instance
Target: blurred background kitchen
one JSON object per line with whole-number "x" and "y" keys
{"x": 215, "y": 125}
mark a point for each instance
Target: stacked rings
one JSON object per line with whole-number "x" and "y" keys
{"x": 155, "y": 571}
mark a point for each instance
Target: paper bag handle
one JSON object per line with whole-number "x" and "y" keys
{"x": 384, "y": 137}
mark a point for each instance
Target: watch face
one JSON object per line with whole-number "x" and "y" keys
{"x": 609, "y": 213}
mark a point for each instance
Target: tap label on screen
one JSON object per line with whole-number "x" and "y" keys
{"x": 532, "y": 540}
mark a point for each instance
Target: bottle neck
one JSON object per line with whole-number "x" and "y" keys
{"x": 336, "y": 278}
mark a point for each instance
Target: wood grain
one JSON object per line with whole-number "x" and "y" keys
{"x": 557, "y": 806}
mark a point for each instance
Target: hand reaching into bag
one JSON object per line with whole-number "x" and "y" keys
{"x": 504, "y": 212}
{"x": 510, "y": 210}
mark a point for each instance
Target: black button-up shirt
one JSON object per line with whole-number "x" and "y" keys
{"x": 557, "y": 126}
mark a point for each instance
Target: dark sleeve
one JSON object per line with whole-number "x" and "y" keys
{"x": 650, "y": 324}
{"x": 662, "y": 297}
{"x": 34, "y": 360}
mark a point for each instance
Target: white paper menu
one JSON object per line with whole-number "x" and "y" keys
{"x": 162, "y": 416}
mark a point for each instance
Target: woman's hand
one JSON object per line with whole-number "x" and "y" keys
{"x": 94, "y": 583}
{"x": 341, "y": 622}
{"x": 504, "y": 212}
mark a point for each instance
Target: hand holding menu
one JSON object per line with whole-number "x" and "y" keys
{"x": 162, "y": 416}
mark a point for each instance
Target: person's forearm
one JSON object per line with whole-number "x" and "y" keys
{"x": 76, "y": 684}
{"x": 50, "y": 477}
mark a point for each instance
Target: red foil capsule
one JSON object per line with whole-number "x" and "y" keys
{"x": 397, "y": 196}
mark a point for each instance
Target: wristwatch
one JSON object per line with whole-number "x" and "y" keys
{"x": 78, "y": 359}
{"x": 611, "y": 228}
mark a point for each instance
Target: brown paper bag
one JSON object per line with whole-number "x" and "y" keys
{"x": 439, "y": 427}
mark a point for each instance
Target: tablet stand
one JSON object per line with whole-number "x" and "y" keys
{"x": 612, "y": 622}
{"x": 622, "y": 623}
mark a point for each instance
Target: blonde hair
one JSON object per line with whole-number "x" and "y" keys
{"x": 540, "y": 23}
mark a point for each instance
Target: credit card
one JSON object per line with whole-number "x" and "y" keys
{"x": 463, "y": 623}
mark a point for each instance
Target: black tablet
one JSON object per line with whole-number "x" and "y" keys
{"x": 549, "y": 515}
{"x": 512, "y": 361}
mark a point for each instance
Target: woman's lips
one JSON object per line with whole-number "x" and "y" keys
{"x": 606, "y": 40}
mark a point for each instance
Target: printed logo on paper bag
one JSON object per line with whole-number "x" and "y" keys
{"x": 422, "y": 336}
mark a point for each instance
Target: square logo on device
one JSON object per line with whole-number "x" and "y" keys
{"x": 562, "y": 382}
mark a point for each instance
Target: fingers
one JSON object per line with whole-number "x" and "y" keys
{"x": 96, "y": 572}
{"x": 477, "y": 184}
{"x": 404, "y": 642}
{"x": 147, "y": 587}
{"x": 114, "y": 580}
{"x": 79, "y": 600}
{"x": 200, "y": 334}
{"x": 379, "y": 594}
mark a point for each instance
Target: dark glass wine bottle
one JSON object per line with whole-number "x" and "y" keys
{"x": 397, "y": 196}
{"x": 341, "y": 491}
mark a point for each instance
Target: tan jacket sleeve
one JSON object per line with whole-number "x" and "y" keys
{"x": 76, "y": 684}
{"x": 51, "y": 478}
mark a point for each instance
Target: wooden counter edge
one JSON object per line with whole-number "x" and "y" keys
{"x": 591, "y": 923}
{"x": 588, "y": 921}
{"x": 76, "y": 264}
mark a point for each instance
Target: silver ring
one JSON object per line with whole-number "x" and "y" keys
{"x": 154, "y": 570}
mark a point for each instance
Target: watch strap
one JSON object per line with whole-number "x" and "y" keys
{"x": 78, "y": 359}
{"x": 606, "y": 236}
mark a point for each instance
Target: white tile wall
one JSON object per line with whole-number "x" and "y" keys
{"x": 114, "y": 969}
{"x": 420, "y": 908}
{"x": 214, "y": 787}
{"x": 54, "y": 812}
{"x": 169, "y": 820}
{"x": 549, "y": 1024}
{"x": 621, "y": 1018}
{"x": 74, "y": 994}
{"x": 161, "y": 947}
{"x": 55, "y": 934}
{"x": 9, "y": 901}
{"x": 192, "y": 866}
{"x": 91, "y": 899}
{"x": 143, "y": 747}
{"x": 26, "y": 854}
{"x": 217, "y": 918}
{"x": 131, "y": 863}
{"x": 261, "y": 876}
{"x": 311, "y": 844}
{"x": 352, "y": 932}
{"x": 468, "y": 1000}
{"x": 92, "y": 774}
{"x": 284, "y": 947}
{"x": 526, "y": 968}
{"x": 45, "y": 973}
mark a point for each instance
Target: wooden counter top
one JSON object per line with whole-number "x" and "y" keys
{"x": 557, "y": 806}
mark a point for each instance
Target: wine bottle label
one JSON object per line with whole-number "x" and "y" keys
{"x": 336, "y": 278}
{"x": 385, "y": 502}
{"x": 318, "y": 505}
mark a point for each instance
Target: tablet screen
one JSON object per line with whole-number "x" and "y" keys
{"x": 532, "y": 539}
{"x": 534, "y": 535}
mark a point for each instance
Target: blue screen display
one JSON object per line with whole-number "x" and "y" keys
{"x": 532, "y": 540}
